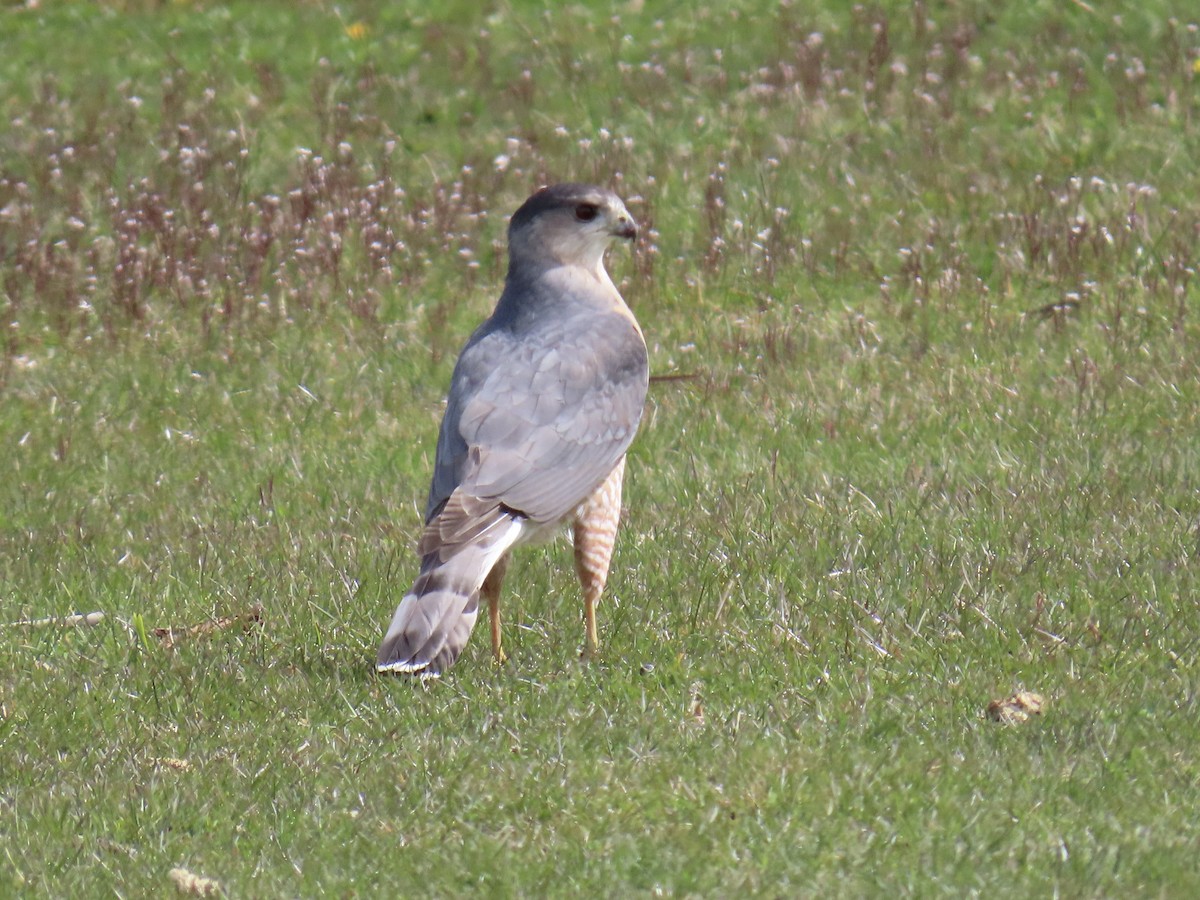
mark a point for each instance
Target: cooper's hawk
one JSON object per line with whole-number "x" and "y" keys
{"x": 544, "y": 401}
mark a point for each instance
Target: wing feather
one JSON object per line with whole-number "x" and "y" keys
{"x": 536, "y": 421}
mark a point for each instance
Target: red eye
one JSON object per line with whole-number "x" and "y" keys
{"x": 585, "y": 212}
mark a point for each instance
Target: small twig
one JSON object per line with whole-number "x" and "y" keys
{"x": 73, "y": 621}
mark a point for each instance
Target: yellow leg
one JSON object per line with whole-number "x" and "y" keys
{"x": 491, "y": 591}
{"x": 592, "y": 588}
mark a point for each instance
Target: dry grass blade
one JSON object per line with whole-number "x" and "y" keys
{"x": 171, "y": 762}
{"x": 247, "y": 619}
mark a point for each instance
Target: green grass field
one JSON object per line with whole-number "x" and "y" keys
{"x": 930, "y": 277}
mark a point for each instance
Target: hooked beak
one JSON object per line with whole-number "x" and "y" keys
{"x": 625, "y": 228}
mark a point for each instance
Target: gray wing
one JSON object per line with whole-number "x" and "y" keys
{"x": 535, "y": 422}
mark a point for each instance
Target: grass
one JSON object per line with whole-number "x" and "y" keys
{"x": 931, "y": 276}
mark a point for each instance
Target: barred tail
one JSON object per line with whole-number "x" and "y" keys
{"x": 435, "y": 618}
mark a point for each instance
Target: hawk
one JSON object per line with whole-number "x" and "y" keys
{"x": 544, "y": 401}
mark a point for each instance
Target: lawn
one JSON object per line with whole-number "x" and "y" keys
{"x": 921, "y": 284}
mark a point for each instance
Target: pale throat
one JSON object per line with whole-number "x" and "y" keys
{"x": 580, "y": 272}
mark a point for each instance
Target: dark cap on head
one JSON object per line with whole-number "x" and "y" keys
{"x": 557, "y": 196}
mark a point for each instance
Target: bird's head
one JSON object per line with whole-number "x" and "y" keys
{"x": 568, "y": 224}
